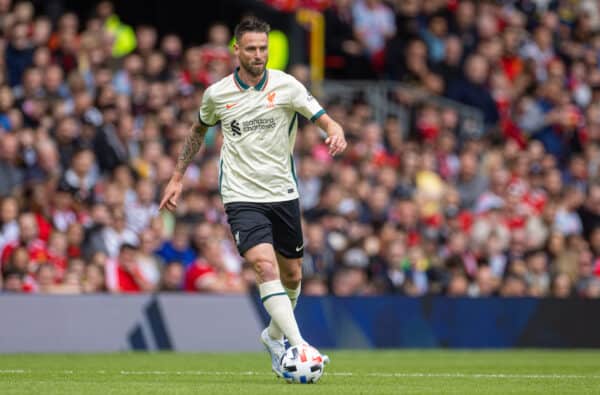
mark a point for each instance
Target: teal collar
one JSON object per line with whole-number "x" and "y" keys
{"x": 261, "y": 84}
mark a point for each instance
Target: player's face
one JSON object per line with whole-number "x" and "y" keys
{"x": 253, "y": 52}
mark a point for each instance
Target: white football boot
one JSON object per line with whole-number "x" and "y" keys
{"x": 276, "y": 348}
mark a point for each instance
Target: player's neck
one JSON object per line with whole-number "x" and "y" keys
{"x": 248, "y": 78}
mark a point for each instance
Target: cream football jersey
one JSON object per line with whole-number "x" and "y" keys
{"x": 259, "y": 125}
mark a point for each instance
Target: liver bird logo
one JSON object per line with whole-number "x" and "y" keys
{"x": 271, "y": 99}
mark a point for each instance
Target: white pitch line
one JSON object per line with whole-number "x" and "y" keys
{"x": 399, "y": 375}
{"x": 190, "y": 372}
{"x": 486, "y": 375}
{"x": 334, "y": 374}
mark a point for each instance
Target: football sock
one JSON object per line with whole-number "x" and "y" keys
{"x": 274, "y": 330}
{"x": 278, "y": 305}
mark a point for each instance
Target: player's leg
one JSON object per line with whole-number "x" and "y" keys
{"x": 253, "y": 233}
{"x": 288, "y": 242}
{"x": 290, "y": 272}
{"x": 289, "y": 245}
{"x": 273, "y": 295}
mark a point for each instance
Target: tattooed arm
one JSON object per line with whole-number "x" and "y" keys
{"x": 190, "y": 148}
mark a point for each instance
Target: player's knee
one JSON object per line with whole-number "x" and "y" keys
{"x": 265, "y": 269}
{"x": 292, "y": 276}
{"x": 292, "y": 280}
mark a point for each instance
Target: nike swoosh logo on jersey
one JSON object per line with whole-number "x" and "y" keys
{"x": 230, "y": 106}
{"x": 300, "y": 248}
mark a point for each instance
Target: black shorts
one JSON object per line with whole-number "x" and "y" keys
{"x": 275, "y": 223}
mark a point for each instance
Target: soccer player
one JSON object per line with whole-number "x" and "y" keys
{"x": 258, "y": 111}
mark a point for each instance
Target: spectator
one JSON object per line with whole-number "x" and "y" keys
{"x": 81, "y": 176}
{"x": 458, "y": 286}
{"x": 99, "y": 219}
{"x": 146, "y": 38}
{"x": 18, "y": 53}
{"x": 449, "y": 67}
{"x": 589, "y": 211}
{"x": 149, "y": 264}
{"x": 140, "y": 212}
{"x": 540, "y": 50}
{"x": 416, "y": 69}
{"x": 561, "y": 286}
{"x": 11, "y": 176}
{"x": 472, "y": 89}
{"x": 57, "y": 254}
{"x": 20, "y": 264}
{"x": 318, "y": 257}
{"x": 28, "y": 238}
{"x": 45, "y": 279}
{"x": 314, "y": 286}
{"x": 470, "y": 183}
{"x": 209, "y": 274}
{"x": 114, "y": 146}
{"x": 486, "y": 284}
{"x": 374, "y": 24}
{"x": 93, "y": 279}
{"x": 63, "y": 212}
{"x": 348, "y": 281}
{"x": 13, "y": 282}
{"x": 9, "y": 230}
{"x": 117, "y": 234}
{"x": 345, "y": 53}
{"x": 538, "y": 277}
{"x": 123, "y": 274}
{"x": 179, "y": 248}
{"x": 173, "y": 277}
{"x": 513, "y": 286}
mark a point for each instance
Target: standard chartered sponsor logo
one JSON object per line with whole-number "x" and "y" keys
{"x": 258, "y": 124}
{"x": 235, "y": 128}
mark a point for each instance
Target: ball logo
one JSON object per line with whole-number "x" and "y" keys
{"x": 303, "y": 356}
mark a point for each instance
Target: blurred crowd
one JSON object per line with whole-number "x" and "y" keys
{"x": 90, "y": 136}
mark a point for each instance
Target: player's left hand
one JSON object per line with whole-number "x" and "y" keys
{"x": 337, "y": 144}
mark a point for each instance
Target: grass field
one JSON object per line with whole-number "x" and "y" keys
{"x": 351, "y": 372}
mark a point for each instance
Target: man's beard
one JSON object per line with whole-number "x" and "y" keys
{"x": 255, "y": 71}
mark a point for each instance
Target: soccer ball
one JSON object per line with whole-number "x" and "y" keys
{"x": 302, "y": 364}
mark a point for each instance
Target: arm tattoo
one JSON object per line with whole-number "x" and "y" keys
{"x": 191, "y": 146}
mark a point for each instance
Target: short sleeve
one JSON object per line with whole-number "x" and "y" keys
{"x": 207, "y": 115}
{"x": 304, "y": 103}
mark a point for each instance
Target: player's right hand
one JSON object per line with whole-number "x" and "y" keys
{"x": 171, "y": 195}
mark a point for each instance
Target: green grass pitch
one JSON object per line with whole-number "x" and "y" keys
{"x": 350, "y": 372}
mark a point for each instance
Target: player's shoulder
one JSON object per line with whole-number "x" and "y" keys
{"x": 222, "y": 86}
{"x": 279, "y": 77}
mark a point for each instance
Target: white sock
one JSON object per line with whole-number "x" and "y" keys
{"x": 274, "y": 330}
{"x": 278, "y": 305}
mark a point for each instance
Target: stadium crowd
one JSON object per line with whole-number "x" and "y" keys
{"x": 89, "y": 137}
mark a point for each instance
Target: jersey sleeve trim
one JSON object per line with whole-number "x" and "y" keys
{"x": 317, "y": 115}
{"x": 208, "y": 125}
